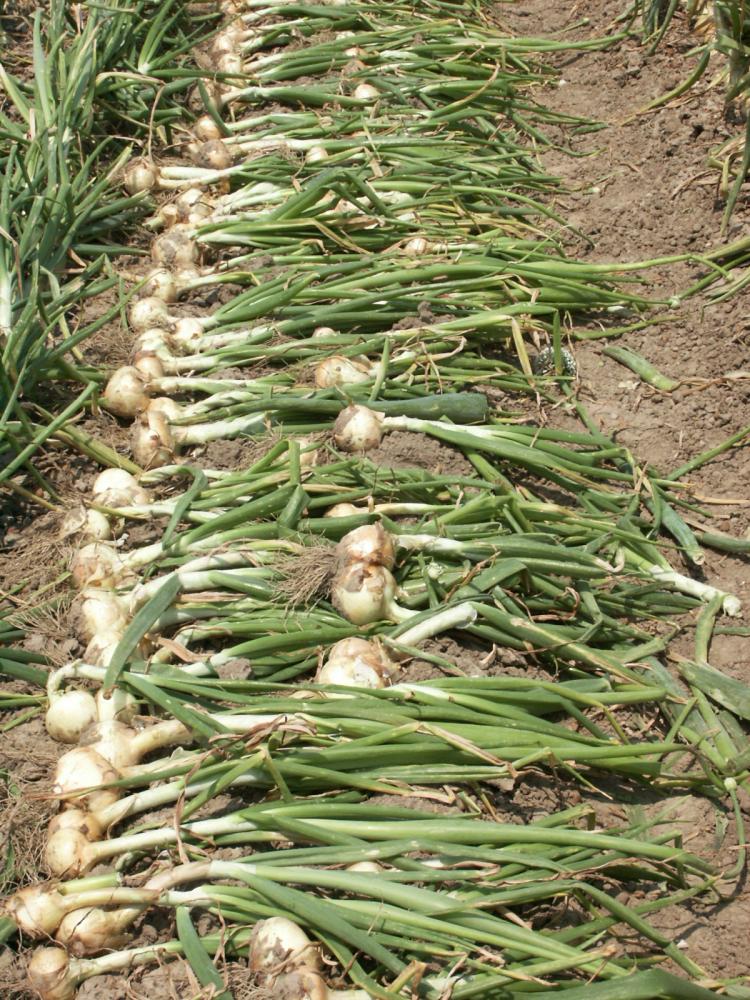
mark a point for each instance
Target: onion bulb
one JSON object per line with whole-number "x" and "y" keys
{"x": 301, "y": 984}
{"x": 176, "y": 248}
{"x": 149, "y": 312}
{"x": 152, "y": 440}
{"x": 87, "y": 523}
{"x": 344, "y": 510}
{"x": 84, "y": 770}
{"x": 224, "y": 43}
{"x": 69, "y": 714}
{"x": 97, "y": 565}
{"x": 355, "y": 673}
{"x": 92, "y": 929}
{"x": 205, "y": 129}
{"x": 50, "y": 974}
{"x": 36, "y": 910}
{"x": 368, "y": 867}
{"x": 139, "y": 176}
{"x": 213, "y": 155}
{"x": 370, "y": 543}
{"x": 85, "y": 823}
{"x": 338, "y": 370}
{"x": 100, "y": 651}
{"x": 280, "y": 943}
{"x": 230, "y": 62}
{"x": 102, "y": 613}
{"x": 148, "y": 365}
{"x": 120, "y": 706}
{"x": 364, "y": 594}
{"x": 159, "y": 283}
{"x": 356, "y": 662}
{"x": 417, "y": 247}
{"x": 188, "y": 331}
{"x": 316, "y": 154}
{"x": 366, "y": 92}
{"x": 120, "y": 484}
{"x": 125, "y": 394}
{"x": 357, "y": 428}
{"x": 324, "y": 331}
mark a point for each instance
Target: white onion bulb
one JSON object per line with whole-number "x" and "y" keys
{"x": 149, "y": 312}
{"x": 125, "y": 394}
{"x": 230, "y": 62}
{"x": 188, "y": 330}
{"x": 338, "y": 370}
{"x": 366, "y": 92}
{"x": 91, "y": 929}
{"x": 370, "y": 543}
{"x": 205, "y": 129}
{"x": 357, "y": 428}
{"x": 102, "y": 613}
{"x": 118, "y": 488}
{"x": 355, "y": 673}
{"x": 50, "y": 975}
{"x": 316, "y": 154}
{"x": 159, "y": 283}
{"x": 368, "y": 867}
{"x": 364, "y": 593}
{"x": 139, "y": 176}
{"x": 36, "y": 910}
{"x": 84, "y": 770}
{"x": 148, "y": 365}
{"x": 69, "y": 714}
{"x": 77, "y": 820}
{"x": 213, "y": 155}
{"x": 279, "y": 942}
{"x": 176, "y": 248}
{"x": 344, "y": 510}
{"x": 120, "y": 706}
{"x": 100, "y": 651}
{"x": 324, "y": 331}
{"x": 114, "y": 742}
{"x": 152, "y": 440}
{"x": 86, "y": 523}
{"x": 97, "y": 565}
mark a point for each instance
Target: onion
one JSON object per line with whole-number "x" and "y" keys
{"x": 87, "y": 523}
{"x": 100, "y": 650}
{"x": 230, "y": 62}
{"x": 167, "y": 216}
{"x": 152, "y": 441}
{"x": 97, "y": 565}
{"x": 83, "y": 768}
{"x": 213, "y": 155}
{"x": 148, "y": 365}
{"x": 370, "y": 543}
{"x": 344, "y": 510}
{"x": 69, "y": 713}
{"x": 280, "y": 943}
{"x": 91, "y": 929}
{"x": 324, "y": 331}
{"x": 119, "y": 481}
{"x": 417, "y": 247}
{"x": 175, "y": 248}
{"x": 205, "y": 129}
{"x": 338, "y": 370}
{"x": 357, "y": 428}
{"x": 355, "y": 673}
{"x": 36, "y": 910}
{"x": 140, "y": 175}
{"x": 301, "y": 984}
{"x": 149, "y": 312}
{"x": 188, "y": 331}
{"x": 114, "y": 742}
{"x": 364, "y": 594}
{"x": 366, "y": 92}
{"x": 316, "y": 154}
{"x": 85, "y": 823}
{"x": 102, "y": 613}
{"x": 369, "y": 867}
{"x": 120, "y": 706}
{"x": 160, "y": 284}
{"x": 224, "y": 43}
{"x": 50, "y": 975}
{"x": 125, "y": 394}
